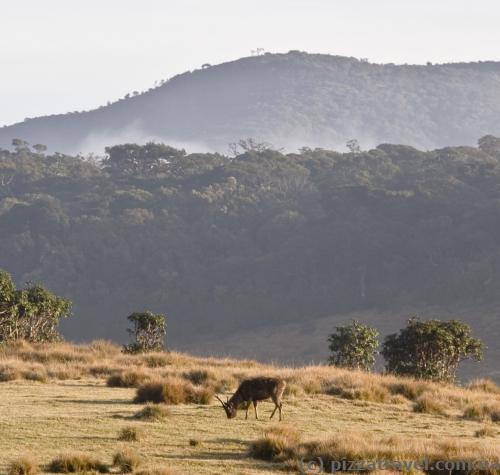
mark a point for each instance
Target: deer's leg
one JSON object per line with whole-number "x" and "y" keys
{"x": 279, "y": 407}
{"x": 246, "y": 408}
{"x": 275, "y": 407}
{"x": 255, "y": 409}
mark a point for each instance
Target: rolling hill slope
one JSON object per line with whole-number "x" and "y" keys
{"x": 290, "y": 100}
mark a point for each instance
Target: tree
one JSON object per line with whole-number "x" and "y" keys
{"x": 20, "y": 144}
{"x": 353, "y": 146}
{"x": 354, "y": 346}
{"x": 147, "y": 160}
{"x": 490, "y": 144}
{"x": 249, "y": 145}
{"x": 148, "y": 332}
{"x": 31, "y": 314}
{"x": 39, "y": 148}
{"x": 432, "y": 349}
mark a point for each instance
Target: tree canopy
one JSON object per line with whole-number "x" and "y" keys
{"x": 224, "y": 243}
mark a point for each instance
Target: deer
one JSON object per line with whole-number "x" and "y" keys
{"x": 254, "y": 390}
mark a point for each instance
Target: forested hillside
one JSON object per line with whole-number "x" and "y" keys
{"x": 289, "y": 100}
{"x": 224, "y": 245}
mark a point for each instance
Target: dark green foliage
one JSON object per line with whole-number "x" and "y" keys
{"x": 432, "y": 349}
{"x": 148, "y": 332}
{"x": 354, "y": 346}
{"x": 265, "y": 238}
{"x": 31, "y": 314}
{"x": 151, "y": 159}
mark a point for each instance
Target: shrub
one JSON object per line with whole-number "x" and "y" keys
{"x": 75, "y": 463}
{"x": 127, "y": 460}
{"x": 23, "y": 466}
{"x": 426, "y": 404}
{"x": 431, "y": 349}
{"x": 129, "y": 434}
{"x": 353, "y": 346}
{"x": 127, "y": 379}
{"x": 276, "y": 444}
{"x": 194, "y": 442}
{"x": 152, "y": 413}
{"x": 148, "y": 332}
{"x": 32, "y": 313}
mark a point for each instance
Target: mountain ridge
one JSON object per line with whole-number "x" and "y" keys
{"x": 289, "y": 99}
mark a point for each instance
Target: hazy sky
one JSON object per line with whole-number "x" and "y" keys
{"x": 64, "y": 55}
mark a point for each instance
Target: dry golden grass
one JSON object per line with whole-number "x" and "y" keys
{"x": 486, "y": 431}
{"x": 277, "y": 444}
{"x": 157, "y": 471}
{"x": 428, "y": 404}
{"x": 129, "y": 434}
{"x": 26, "y": 465}
{"x": 102, "y": 359}
{"x": 173, "y": 390}
{"x": 336, "y": 412}
{"x": 76, "y": 463}
{"x": 152, "y": 412}
{"x": 371, "y": 447}
{"x": 127, "y": 460}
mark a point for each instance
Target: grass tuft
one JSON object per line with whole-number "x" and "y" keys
{"x": 23, "y": 466}
{"x": 129, "y": 434}
{"x": 152, "y": 412}
{"x": 173, "y": 391}
{"x": 76, "y": 463}
{"x": 486, "y": 431}
{"x": 127, "y": 379}
{"x": 428, "y": 405}
{"x": 127, "y": 460}
{"x": 276, "y": 444}
{"x": 481, "y": 412}
{"x": 484, "y": 384}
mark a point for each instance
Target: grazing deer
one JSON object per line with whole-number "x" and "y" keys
{"x": 253, "y": 390}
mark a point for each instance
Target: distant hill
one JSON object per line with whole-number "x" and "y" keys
{"x": 289, "y": 100}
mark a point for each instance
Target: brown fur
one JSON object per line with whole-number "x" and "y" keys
{"x": 250, "y": 391}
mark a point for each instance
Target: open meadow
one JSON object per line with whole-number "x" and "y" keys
{"x": 61, "y": 399}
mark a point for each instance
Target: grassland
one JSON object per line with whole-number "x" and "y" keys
{"x": 55, "y": 400}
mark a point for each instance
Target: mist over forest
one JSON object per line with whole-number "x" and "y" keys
{"x": 226, "y": 244}
{"x": 289, "y": 100}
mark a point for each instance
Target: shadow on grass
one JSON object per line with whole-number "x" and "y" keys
{"x": 206, "y": 455}
{"x": 227, "y": 440}
{"x": 96, "y": 401}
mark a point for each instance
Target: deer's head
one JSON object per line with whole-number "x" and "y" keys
{"x": 228, "y": 407}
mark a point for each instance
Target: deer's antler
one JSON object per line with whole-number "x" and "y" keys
{"x": 220, "y": 400}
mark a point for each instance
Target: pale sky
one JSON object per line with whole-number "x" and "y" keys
{"x": 65, "y": 55}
